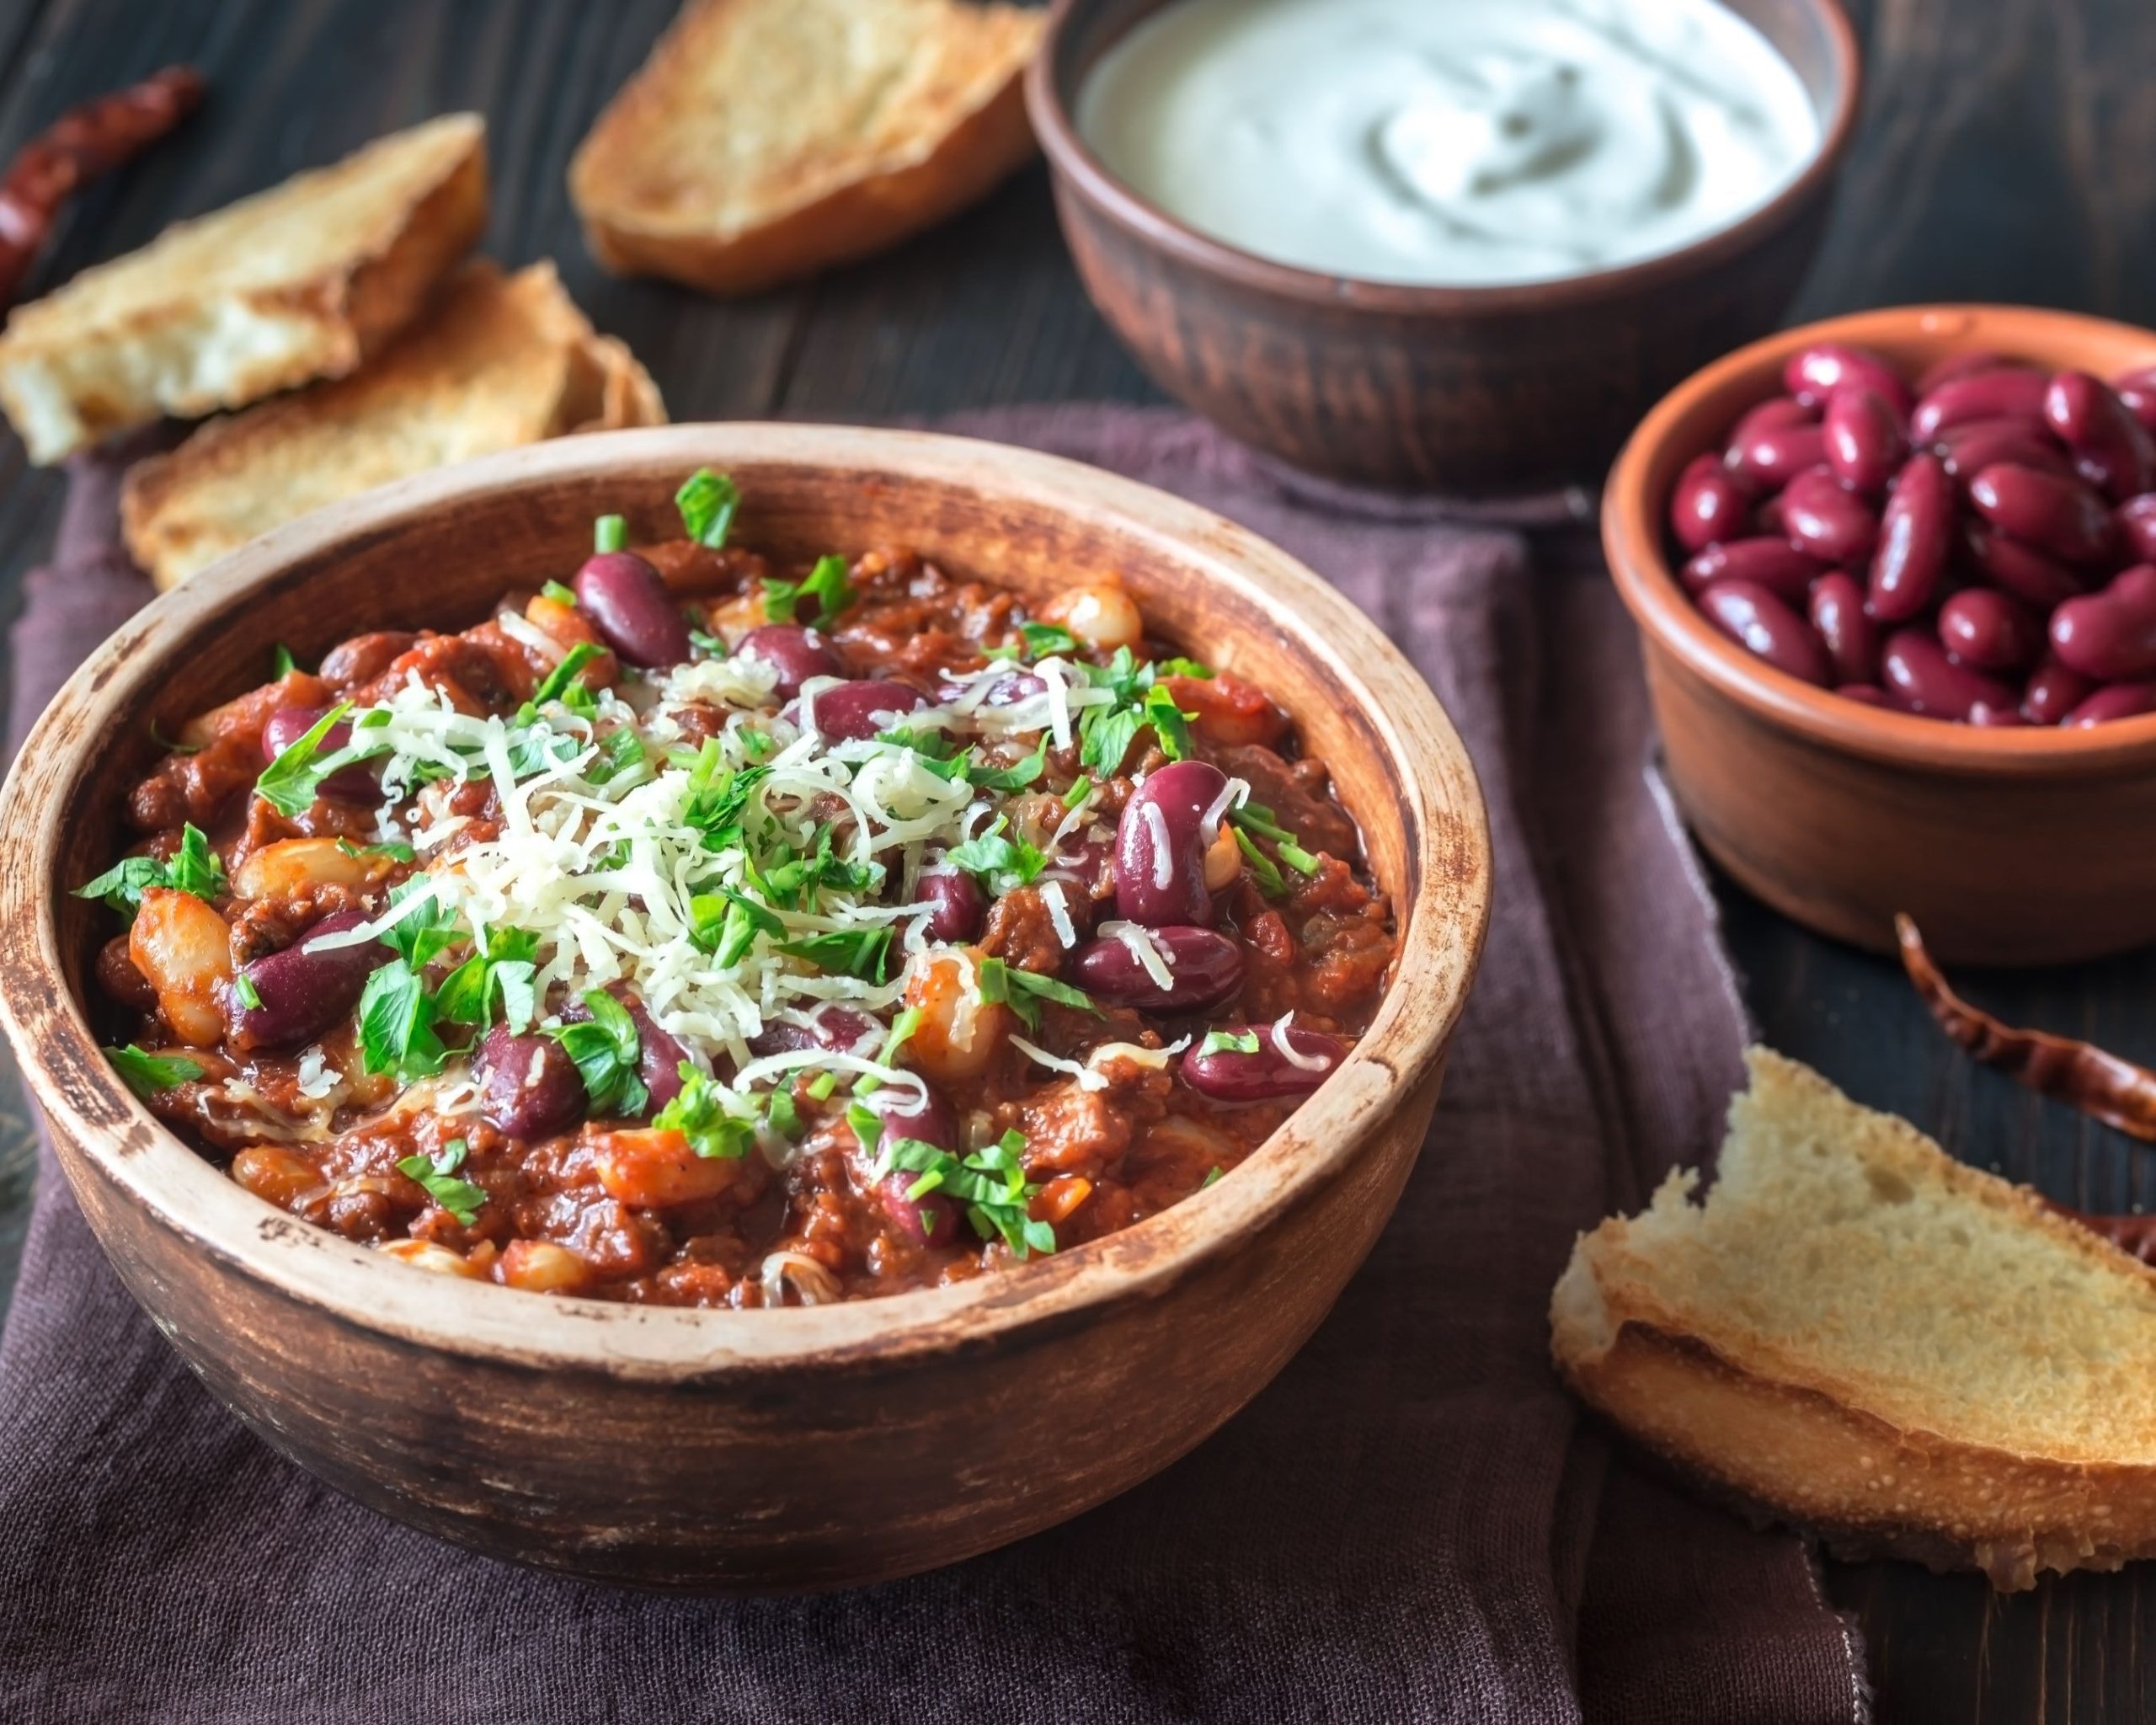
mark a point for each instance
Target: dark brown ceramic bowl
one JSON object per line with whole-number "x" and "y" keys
{"x": 2010, "y": 846}
{"x": 725, "y": 1450}
{"x": 1452, "y": 388}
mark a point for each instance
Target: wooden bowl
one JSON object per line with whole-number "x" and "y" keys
{"x": 2011, "y": 846}
{"x": 726, "y": 1451}
{"x": 1456, "y": 388}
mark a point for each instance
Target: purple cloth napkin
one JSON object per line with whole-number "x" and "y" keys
{"x": 1411, "y": 1523}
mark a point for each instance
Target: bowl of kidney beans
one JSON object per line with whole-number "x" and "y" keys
{"x": 1896, "y": 578}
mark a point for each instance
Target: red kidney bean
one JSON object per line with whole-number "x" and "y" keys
{"x": 1206, "y": 967}
{"x": 1920, "y": 678}
{"x": 932, "y": 1218}
{"x": 2137, "y": 521}
{"x": 1767, "y": 517}
{"x": 957, "y": 905}
{"x": 2053, "y": 691}
{"x": 1816, "y": 373}
{"x": 1850, "y": 636}
{"x": 2013, "y": 567}
{"x": 2110, "y": 634}
{"x": 795, "y": 653}
{"x": 2004, "y": 393}
{"x": 836, "y": 1027}
{"x": 1870, "y": 694}
{"x": 1774, "y": 410}
{"x": 2063, "y": 517}
{"x": 927, "y": 1117}
{"x": 529, "y": 1087}
{"x": 1708, "y": 506}
{"x": 288, "y": 724}
{"x": 1160, "y": 846}
{"x": 1007, "y": 690}
{"x": 1915, "y": 534}
{"x": 2136, "y": 388}
{"x": 629, "y": 606}
{"x": 855, "y": 712}
{"x": 304, "y": 993}
{"x": 659, "y": 1055}
{"x": 1825, "y": 521}
{"x": 1769, "y": 457}
{"x": 1772, "y": 564}
{"x": 1865, "y": 443}
{"x": 2115, "y": 449}
{"x": 1757, "y": 618}
{"x": 1230, "y": 1076}
{"x": 2117, "y": 701}
{"x": 1967, "y": 448}
{"x": 1996, "y": 718}
{"x": 1989, "y": 631}
{"x": 1956, "y": 366}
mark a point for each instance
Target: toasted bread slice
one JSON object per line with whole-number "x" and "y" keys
{"x": 498, "y": 362}
{"x": 300, "y": 281}
{"x": 765, "y": 139}
{"x": 1872, "y": 1341}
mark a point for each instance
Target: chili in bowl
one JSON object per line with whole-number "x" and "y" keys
{"x": 799, "y": 1445}
{"x": 703, "y": 930}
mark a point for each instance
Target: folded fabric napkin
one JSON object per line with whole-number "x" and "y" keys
{"x": 1411, "y": 1523}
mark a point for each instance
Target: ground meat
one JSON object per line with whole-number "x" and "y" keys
{"x": 1022, "y": 932}
{"x": 1300, "y": 794}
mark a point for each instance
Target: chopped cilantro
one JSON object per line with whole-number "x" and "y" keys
{"x": 194, "y": 867}
{"x": 437, "y": 1177}
{"x": 147, "y": 1074}
{"x": 1010, "y": 779}
{"x": 990, "y": 1183}
{"x": 504, "y": 970}
{"x": 1000, "y": 863}
{"x": 397, "y": 1031}
{"x": 606, "y": 1048}
{"x": 610, "y": 533}
{"x": 1022, "y": 991}
{"x": 1042, "y": 639}
{"x": 700, "y": 1114}
{"x": 1182, "y": 668}
{"x": 708, "y": 501}
{"x": 725, "y": 924}
{"x": 1230, "y": 1041}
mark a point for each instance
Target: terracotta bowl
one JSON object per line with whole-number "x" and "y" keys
{"x": 1457, "y": 389}
{"x": 2013, "y": 846}
{"x": 723, "y": 1450}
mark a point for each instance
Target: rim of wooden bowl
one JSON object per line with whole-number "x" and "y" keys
{"x": 1695, "y": 415}
{"x": 1073, "y": 158}
{"x": 1447, "y": 857}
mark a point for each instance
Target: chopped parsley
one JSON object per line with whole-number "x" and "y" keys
{"x": 606, "y": 1049}
{"x": 708, "y": 501}
{"x": 826, "y": 583}
{"x": 725, "y": 923}
{"x": 990, "y": 1184}
{"x": 860, "y": 953}
{"x": 999, "y": 863}
{"x": 1010, "y": 779}
{"x": 396, "y": 850}
{"x": 147, "y": 1074}
{"x": 193, "y": 867}
{"x": 437, "y": 1177}
{"x": 1256, "y": 818}
{"x": 502, "y": 971}
{"x": 1212, "y": 1178}
{"x": 1230, "y": 1041}
{"x": 1023, "y": 991}
{"x": 559, "y": 680}
{"x": 397, "y": 1033}
{"x": 1042, "y": 639}
{"x": 291, "y": 783}
{"x": 701, "y": 1113}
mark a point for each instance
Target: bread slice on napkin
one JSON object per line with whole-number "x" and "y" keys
{"x": 300, "y": 281}
{"x": 498, "y": 361}
{"x": 1852, "y": 1329}
{"x": 765, "y": 139}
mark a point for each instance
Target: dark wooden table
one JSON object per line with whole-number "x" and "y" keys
{"x": 2008, "y": 153}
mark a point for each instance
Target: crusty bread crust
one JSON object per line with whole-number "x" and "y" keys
{"x": 212, "y": 314}
{"x": 493, "y": 363}
{"x": 1768, "y": 1417}
{"x": 812, "y": 214}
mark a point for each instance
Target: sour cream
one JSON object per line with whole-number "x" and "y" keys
{"x": 1450, "y": 143}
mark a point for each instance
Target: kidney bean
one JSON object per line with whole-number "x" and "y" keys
{"x": 1205, "y": 967}
{"x": 1816, "y": 372}
{"x": 1707, "y": 505}
{"x": 1774, "y": 410}
{"x": 1009, "y": 689}
{"x": 1825, "y": 521}
{"x": 2063, "y": 517}
{"x": 2052, "y": 692}
{"x": 1757, "y": 618}
{"x": 304, "y": 993}
{"x": 1920, "y": 678}
{"x": 831, "y": 1027}
{"x": 2115, "y": 451}
{"x": 1914, "y": 537}
{"x": 1967, "y": 448}
{"x": 2117, "y": 701}
{"x": 795, "y": 653}
{"x": 958, "y": 905}
{"x": 1996, "y": 718}
{"x": 659, "y": 1055}
{"x": 1956, "y": 366}
{"x": 2016, "y": 569}
{"x": 356, "y": 783}
{"x": 1865, "y": 443}
{"x": 1988, "y": 630}
{"x": 1160, "y": 846}
{"x": 855, "y": 711}
{"x": 2004, "y": 393}
{"x": 2110, "y": 635}
{"x": 629, "y": 607}
{"x": 1768, "y": 458}
{"x": 1230, "y": 1076}
{"x": 1870, "y": 694}
{"x": 529, "y": 1087}
{"x": 927, "y": 1117}
{"x": 2137, "y": 522}
{"x": 1849, "y": 635}
{"x": 1772, "y": 564}
{"x": 2136, "y": 388}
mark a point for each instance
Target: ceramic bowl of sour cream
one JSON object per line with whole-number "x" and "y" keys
{"x": 1444, "y": 244}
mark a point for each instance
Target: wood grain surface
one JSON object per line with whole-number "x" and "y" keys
{"x": 2008, "y": 151}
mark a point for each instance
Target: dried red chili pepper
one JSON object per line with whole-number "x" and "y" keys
{"x": 82, "y": 143}
{"x": 2116, "y": 1092}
